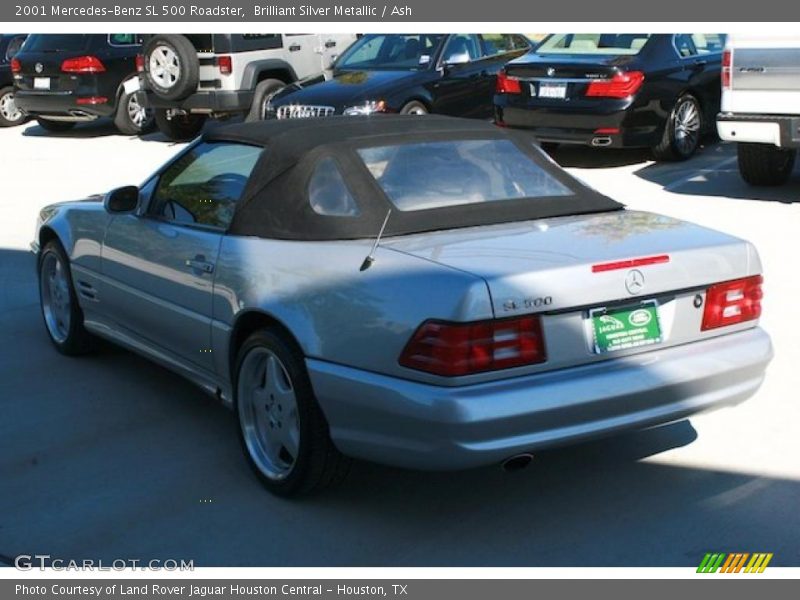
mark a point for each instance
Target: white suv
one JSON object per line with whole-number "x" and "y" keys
{"x": 188, "y": 78}
{"x": 761, "y": 105}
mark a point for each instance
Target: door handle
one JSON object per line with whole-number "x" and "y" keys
{"x": 699, "y": 64}
{"x": 294, "y": 47}
{"x": 330, "y": 44}
{"x": 199, "y": 263}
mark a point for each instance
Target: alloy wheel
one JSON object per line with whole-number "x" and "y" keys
{"x": 8, "y": 108}
{"x": 165, "y": 66}
{"x": 687, "y": 126}
{"x": 56, "y": 302}
{"x": 268, "y": 413}
{"x": 138, "y": 114}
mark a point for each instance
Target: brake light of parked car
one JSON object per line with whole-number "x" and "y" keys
{"x": 83, "y": 64}
{"x": 91, "y": 100}
{"x": 454, "y": 349}
{"x": 140, "y": 63}
{"x": 727, "y": 67}
{"x": 225, "y": 64}
{"x": 732, "y": 302}
{"x": 16, "y": 66}
{"x": 621, "y": 85}
{"x": 506, "y": 84}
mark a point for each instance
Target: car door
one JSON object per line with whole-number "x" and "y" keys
{"x": 708, "y": 69}
{"x": 159, "y": 265}
{"x": 460, "y": 92}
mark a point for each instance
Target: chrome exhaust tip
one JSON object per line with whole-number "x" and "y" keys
{"x": 601, "y": 141}
{"x": 517, "y": 462}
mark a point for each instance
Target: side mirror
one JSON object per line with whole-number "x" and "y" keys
{"x": 457, "y": 58}
{"x": 122, "y": 200}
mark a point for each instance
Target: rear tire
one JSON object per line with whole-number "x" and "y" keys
{"x": 764, "y": 164}
{"x": 55, "y": 126}
{"x": 171, "y": 66}
{"x": 283, "y": 433}
{"x": 263, "y": 91}
{"x": 10, "y": 115}
{"x": 63, "y": 317}
{"x": 132, "y": 118}
{"x": 180, "y": 128}
{"x": 682, "y": 131}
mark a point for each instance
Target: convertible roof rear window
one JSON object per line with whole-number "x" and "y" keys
{"x": 452, "y": 173}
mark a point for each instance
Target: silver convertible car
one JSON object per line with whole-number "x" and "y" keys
{"x": 432, "y": 293}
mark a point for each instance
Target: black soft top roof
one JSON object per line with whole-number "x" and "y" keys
{"x": 275, "y": 202}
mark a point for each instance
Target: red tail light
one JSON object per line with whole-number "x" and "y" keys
{"x": 453, "y": 349}
{"x": 620, "y": 85}
{"x": 16, "y": 66}
{"x": 225, "y": 64}
{"x": 727, "y": 65}
{"x": 506, "y": 84}
{"x": 140, "y": 63}
{"x": 83, "y": 64}
{"x": 733, "y": 302}
{"x": 91, "y": 100}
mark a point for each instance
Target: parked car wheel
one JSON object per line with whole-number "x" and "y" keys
{"x": 764, "y": 164}
{"x": 62, "y": 315}
{"x": 682, "y": 131}
{"x": 263, "y": 91}
{"x": 414, "y": 108}
{"x": 55, "y": 126}
{"x": 172, "y": 68}
{"x": 281, "y": 427}
{"x": 132, "y": 117}
{"x": 180, "y": 128}
{"x": 10, "y": 115}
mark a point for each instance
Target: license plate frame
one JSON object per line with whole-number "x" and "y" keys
{"x": 41, "y": 83}
{"x": 625, "y": 327}
{"x": 554, "y": 90}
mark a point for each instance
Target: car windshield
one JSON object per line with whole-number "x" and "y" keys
{"x": 391, "y": 52}
{"x": 48, "y": 42}
{"x": 594, "y": 43}
{"x": 451, "y": 173}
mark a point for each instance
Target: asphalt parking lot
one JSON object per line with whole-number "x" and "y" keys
{"x": 110, "y": 457}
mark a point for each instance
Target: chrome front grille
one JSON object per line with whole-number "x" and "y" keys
{"x": 303, "y": 111}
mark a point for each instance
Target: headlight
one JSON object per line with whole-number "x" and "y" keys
{"x": 369, "y": 107}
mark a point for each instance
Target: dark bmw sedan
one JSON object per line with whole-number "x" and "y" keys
{"x": 408, "y": 74}
{"x": 64, "y": 79}
{"x": 660, "y": 91}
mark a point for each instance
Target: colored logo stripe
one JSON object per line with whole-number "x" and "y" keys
{"x": 734, "y": 562}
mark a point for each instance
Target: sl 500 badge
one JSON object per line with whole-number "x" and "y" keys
{"x": 539, "y": 302}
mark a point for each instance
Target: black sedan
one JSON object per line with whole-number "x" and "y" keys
{"x": 409, "y": 74}
{"x": 64, "y": 79}
{"x": 660, "y": 91}
{"x": 10, "y": 115}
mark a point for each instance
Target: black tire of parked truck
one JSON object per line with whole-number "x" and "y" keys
{"x": 171, "y": 66}
{"x": 263, "y": 91}
{"x": 180, "y": 128}
{"x": 765, "y": 164}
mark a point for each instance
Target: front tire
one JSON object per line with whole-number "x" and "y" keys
{"x": 282, "y": 430}
{"x": 414, "y": 108}
{"x": 180, "y": 128}
{"x": 63, "y": 317}
{"x": 262, "y": 93}
{"x": 131, "y": 117}
{"x": 682, "y": 131}
{"x": 55, "y": 126}
{"x": 764, "y": 164}
{"x": 10, "y": 115}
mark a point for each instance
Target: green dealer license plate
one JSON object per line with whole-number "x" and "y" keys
{"x": 628, "y": 327}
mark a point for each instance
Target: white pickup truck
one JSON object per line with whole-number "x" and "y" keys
{"x": 761, "y": 105}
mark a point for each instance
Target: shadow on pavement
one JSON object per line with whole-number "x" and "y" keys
{"x": 714, "y": 172}
{"x": 109, "y": 456}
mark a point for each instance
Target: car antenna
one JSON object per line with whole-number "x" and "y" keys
{"x": 371, "y": 256}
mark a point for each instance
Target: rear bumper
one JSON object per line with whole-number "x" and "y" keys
{"x": 61, "y": 105}
{"x": 624, "y": 127}
{"x": 409, "y": 424}
{"x": 778, "y": 130}
{"x": 205, "y": 102}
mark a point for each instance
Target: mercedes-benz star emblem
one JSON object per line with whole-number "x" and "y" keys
{"x": 550, "y": 71}
{"x": 39, "y": 67}
{"x": 634, "y": 282}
